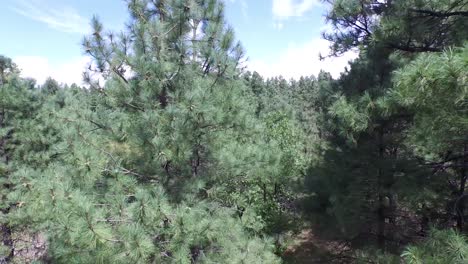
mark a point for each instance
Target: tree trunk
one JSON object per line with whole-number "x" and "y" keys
{"x": 195, "y": 163}
{"x": 461, "y": 191}
{"x": 380, "y": 210}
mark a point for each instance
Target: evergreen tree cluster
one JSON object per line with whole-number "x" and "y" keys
{"x": 173, "y": 153}
{"x": 395, "y": 158}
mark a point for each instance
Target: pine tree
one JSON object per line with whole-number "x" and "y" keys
{"x": 433, "y": 87}
{"x": 124, "y": 173}
{"x": 367, "y": 133}
{"x": 408, "y": 26}
{"x": 183, "y": 89}
{"x": 442, "y": 246}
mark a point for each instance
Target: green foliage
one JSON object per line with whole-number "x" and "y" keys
{"x": 282, "y": 130}
{"x": 434, "y": 86}
{"x": 124, "y": 173}
{"x": 408, "y": 26}
{"x": 387, "y": 123}
{"x": 173, "y": 154}
{"x": 442, "y": 246}
{"x": 94, "y": 209}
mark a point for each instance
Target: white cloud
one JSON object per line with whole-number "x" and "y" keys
{"x": 283, "y": 9}
{"x": 64, "y": 19}
{"x": 302, "y": 60}
{"x": 40, "y": 68}
{"x": 278, "y": 25}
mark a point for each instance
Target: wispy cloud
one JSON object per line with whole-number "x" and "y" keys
{"x": 62, "y": 18}
{"x": 284, "y": 9}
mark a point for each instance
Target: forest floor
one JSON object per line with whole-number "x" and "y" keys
{"x": 309, "y": 248}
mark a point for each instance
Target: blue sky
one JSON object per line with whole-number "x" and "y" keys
{"x": 279, "y": 36}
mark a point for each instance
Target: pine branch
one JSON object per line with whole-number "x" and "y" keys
{"x": 438, "y": 13}
{"x": 410, "y": 48}
{"x": 122, "y": 169}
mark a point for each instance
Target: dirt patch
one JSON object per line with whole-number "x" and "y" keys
{"x": 28, "y": 247}
{"x": 308, "y": 248}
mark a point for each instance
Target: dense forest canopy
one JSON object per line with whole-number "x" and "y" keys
{"x": 174, "y": 153}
